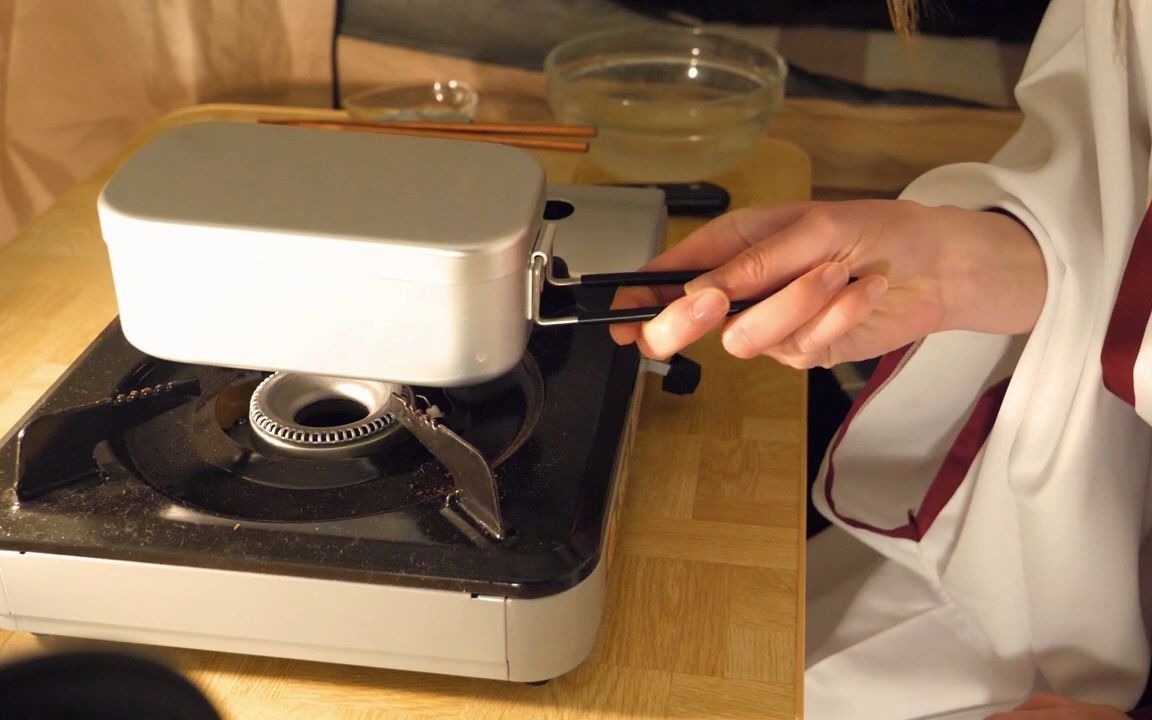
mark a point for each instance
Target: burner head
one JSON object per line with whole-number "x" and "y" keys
{"x": 320, "y": 416}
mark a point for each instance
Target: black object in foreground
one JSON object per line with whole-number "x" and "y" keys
{"x": 98, "y": 686}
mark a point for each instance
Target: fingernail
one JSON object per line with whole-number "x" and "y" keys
{"x": 708, "y": 307}
{"x": 834, "y": 276}
{"x": 877, "y": 286}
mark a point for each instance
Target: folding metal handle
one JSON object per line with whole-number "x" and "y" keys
{"x": 543, "y": 276}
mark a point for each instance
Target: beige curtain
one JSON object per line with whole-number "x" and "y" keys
{"x": 78, "y": 78}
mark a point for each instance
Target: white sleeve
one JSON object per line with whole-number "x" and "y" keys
{"x": 1076, "y": 175}
{"x": 1045, "y": 528}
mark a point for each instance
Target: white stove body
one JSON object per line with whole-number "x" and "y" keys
{"x": 436, "y": 631}
{"x": 456, "y": 633}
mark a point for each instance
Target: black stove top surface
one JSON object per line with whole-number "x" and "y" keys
{"x": 183, "y": 483}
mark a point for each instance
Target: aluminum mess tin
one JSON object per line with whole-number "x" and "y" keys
{"x": 338, "y": 253}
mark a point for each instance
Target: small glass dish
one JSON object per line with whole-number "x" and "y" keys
{"x": 433, "y": 101}
{"x": 676, "y": 105}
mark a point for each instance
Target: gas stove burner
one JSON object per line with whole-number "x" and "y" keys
{"x": 318, "y": 416}
{"x": 408, "y": 554}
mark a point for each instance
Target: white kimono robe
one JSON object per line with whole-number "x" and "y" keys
{"x": 990, "y": 494}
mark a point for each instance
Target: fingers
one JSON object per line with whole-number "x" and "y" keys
{"x": 711, "y": 245}
{"x": 725, "y": 237}
{"x": 770, "y": 322}
{"x": 798, "y": 326}
{"x": 763, "y": 267}
{"x": 682, "y": 323}
{"x": 801, "y": 325}
{"x": 631, "y": 297}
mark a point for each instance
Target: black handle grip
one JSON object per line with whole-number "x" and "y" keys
{"x": 703, "y": 199}
{"x": 640, "y": 314}
{"x": 638, "y": 279}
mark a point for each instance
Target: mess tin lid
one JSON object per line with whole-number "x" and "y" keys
{"x": 417, "y": 209}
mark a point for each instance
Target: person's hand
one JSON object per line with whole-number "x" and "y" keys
{"x": 918, "y": 270}
{"x": 1055, "y": 707}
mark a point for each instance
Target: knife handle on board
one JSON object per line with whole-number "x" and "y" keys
{"x": 701, "y": 199}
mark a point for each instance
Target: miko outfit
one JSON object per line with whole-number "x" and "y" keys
{"x": 990, "y": 494}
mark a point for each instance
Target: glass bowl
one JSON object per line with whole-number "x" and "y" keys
{"x": 434, "y": 101}
{"x": 671, "y": 105}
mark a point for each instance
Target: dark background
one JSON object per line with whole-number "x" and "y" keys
{"x": 519, "y": 33}
{"x": 1009, "y": 20}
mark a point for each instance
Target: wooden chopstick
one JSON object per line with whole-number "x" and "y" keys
{"x": 505, "y": 134}
{"x": 575, "y": 131}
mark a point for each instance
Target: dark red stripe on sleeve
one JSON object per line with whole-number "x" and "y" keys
{"x": 1129, "y": 317}
{"x": 952, "y": 471}
{"x": 884, "y": 370}
{"x": 960, "y": 456}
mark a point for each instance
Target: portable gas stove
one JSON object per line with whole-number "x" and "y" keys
{"x": 462, "y": 530}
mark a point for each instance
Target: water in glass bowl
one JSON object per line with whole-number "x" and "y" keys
{"x": 666, "y": 119}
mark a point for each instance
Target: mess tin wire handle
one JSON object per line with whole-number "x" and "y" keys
{"x": 542, "y": 276}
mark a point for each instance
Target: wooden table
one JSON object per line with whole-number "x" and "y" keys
{"x": 704, "y": 617}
